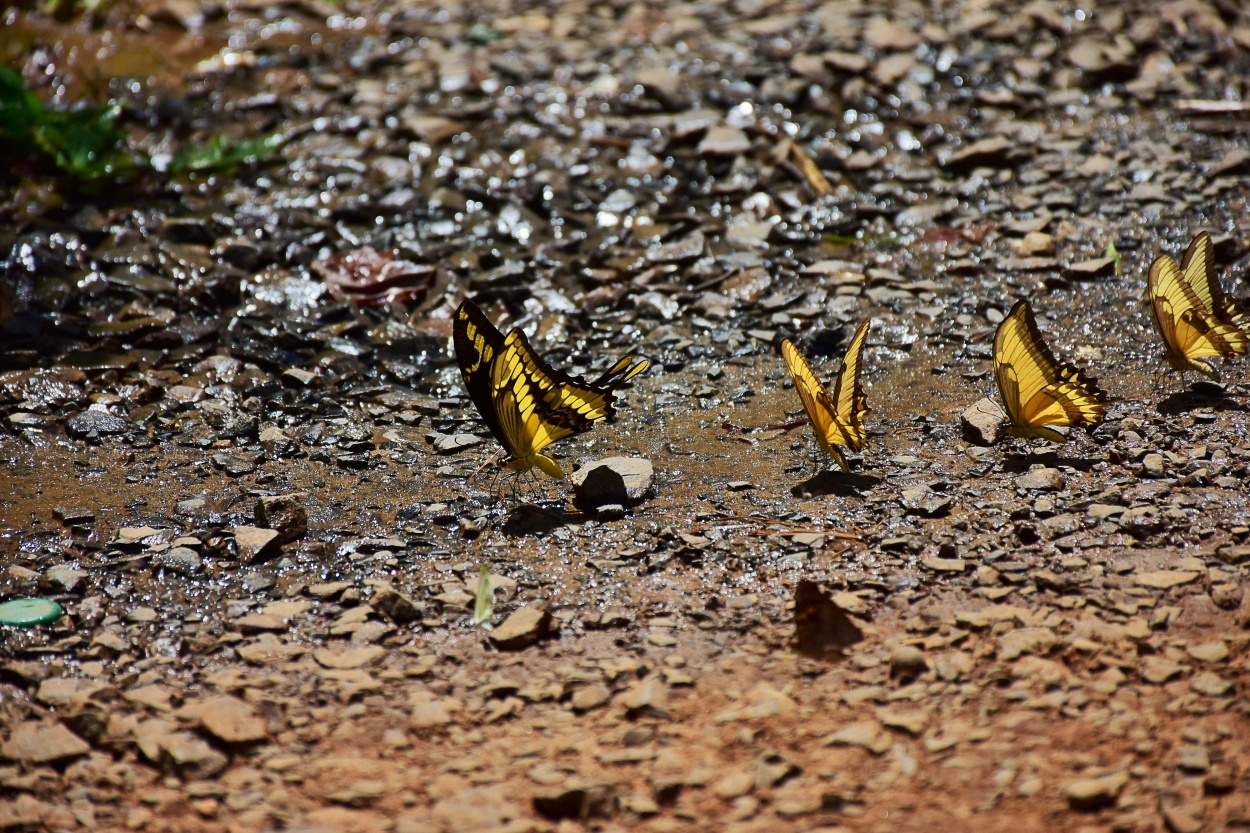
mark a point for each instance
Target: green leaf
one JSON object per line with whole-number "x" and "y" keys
{"x": 484, "y": 607}
{"x": 1113, "y": 253}
{"x": 87, "y": 143}
{"x": 219, "y": 154}
{"x": 20, "y": 110}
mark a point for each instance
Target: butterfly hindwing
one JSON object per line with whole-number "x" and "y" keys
{"x": 836, "y": 420}
{"x": 1037, "y": 389}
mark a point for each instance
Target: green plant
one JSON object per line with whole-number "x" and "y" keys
{"x": 220, "y": 154}
{"x": 89, "y": 144}
{"x": 86, "y": 142}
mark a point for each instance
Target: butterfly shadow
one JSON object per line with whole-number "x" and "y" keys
{"x": 1199, "y": 395}
{"x": 843, "y": 484}
{"x": 1021, "y": 462}
{"x": 530, "y": 520}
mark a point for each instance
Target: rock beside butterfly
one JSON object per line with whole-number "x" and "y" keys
{"x": 983, "y": 422}
{"x": 619, "y": 480}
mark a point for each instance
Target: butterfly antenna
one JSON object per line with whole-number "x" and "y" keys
{"x": 489, "y": 460}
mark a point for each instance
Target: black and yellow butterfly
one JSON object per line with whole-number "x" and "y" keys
{"x": 528, "y": 404}
{"x": 1037, "y": 389}
{"x": 1192, "y": 314}
{"x": 836, "y": 420}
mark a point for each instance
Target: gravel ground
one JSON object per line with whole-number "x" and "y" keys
{"x": 237, "y": 450}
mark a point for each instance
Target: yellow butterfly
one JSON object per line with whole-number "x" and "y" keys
{"x": 527, "y": 404}
{"x": 1192, "y": 314}
{"x": 838, "y": 420}
{"x": 1037, "y": 389}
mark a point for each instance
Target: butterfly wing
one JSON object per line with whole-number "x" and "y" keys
{"x": 566, "y": 404}
{"x": 478, "y": 344}
{"x": 526, "y": 403}
{"x": 1198, "y": 268}
{"x": 1188, "y": 329}
{"x": 1037, "y": 389}
{"x": 820, "y": 409}
{"x": 849, "y": 399}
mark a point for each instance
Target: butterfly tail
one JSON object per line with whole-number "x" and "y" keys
{"x": 621, "y": 372}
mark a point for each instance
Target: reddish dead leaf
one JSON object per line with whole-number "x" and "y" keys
{"x": 371, "y": 278}
{"x": 950, "y": 234}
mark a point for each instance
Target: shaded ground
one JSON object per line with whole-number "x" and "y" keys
{"x": 1054, "y": 636}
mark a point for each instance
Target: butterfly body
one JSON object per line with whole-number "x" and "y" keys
{"x": 837, "y": 419}
{"x": 526, "y": 403}
{"x": 1038, "y": 390}
{"x": 1191, "y": 313}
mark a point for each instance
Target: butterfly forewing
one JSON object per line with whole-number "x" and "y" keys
{"x": 478, "y": 344}
{"x": 849, "y": 396}
{"x": 1198, "y": 268}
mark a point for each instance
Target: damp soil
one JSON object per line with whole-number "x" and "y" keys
{"x": 237, "y": 450}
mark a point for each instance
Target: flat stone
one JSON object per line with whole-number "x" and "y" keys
{"x": 43, "y": 743}
{"x": 1026, "y": 641}
{"x": 1183, "y": 819}
{"x": 399, "y": 606}
{"x": 523, "y": 628}
{"x": 724, "y": 140}
{"x": 1042, "y": 478}
{"x": 192, "y": 756}
{"x": 865, "y": 735}
{"x": 944, "y": 565}
{"x": 1165, "y": 579}
{"x": 181, "y": 560}
{"x": 267, "y": 648}
{"x": 1208, "y": 651}
{"x": 619, "y": 480}
{"x": 357, "y": 657}
{"x": 64, "y": 579}
{"x": 1158, "y": 670}
{"x": 648, "y": 698}
{"x": 1095, "y": 793}
{"x": 912, "y": 722}
{"x": 229, "y": 719}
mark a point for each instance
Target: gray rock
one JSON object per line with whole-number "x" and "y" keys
{"x": 451, "y": 443}
{"x": 983, "y": 423}
{"x": 284, "y": 514}
{"x": 276, "y": 443}
{"x": 63, "y": 579}
{"x": 622, "y": 480}
{"x": 92, "y": 424}
{"x": 182, "y": 560}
